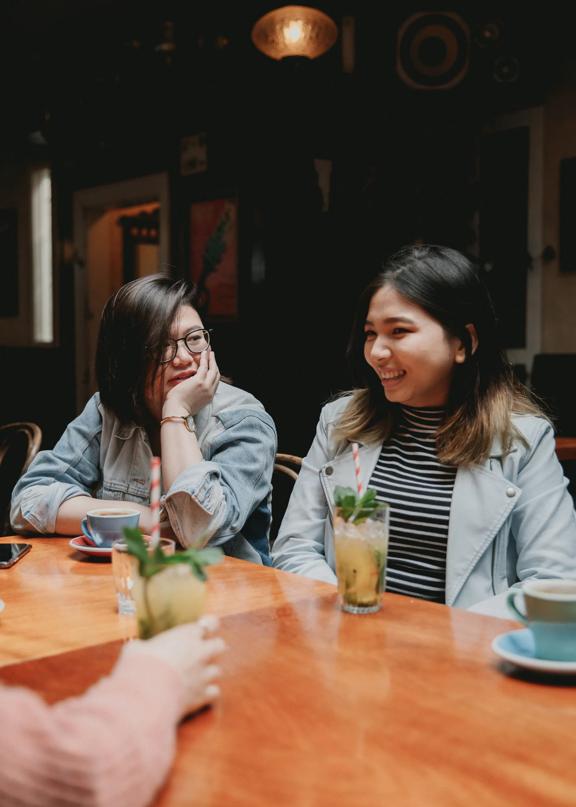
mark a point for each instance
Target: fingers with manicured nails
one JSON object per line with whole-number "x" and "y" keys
{"x": 212, "y": 692}
{"x": 208, "y": 624}
{"x": 191, "y": 650}
{"x": 212, "y": 648}
{"x": 211, "y": 673}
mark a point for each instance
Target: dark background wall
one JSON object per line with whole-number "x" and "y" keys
{"x": 110, "y": 105}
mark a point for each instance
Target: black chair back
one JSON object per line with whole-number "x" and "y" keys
{"x": 553, "y": 379}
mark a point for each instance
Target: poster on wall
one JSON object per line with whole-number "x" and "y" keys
{"x": 214, "y": 256}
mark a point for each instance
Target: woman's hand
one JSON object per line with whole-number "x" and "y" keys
{"x": 192, "y": 651}
{"x": 193, "y": 394}
{"x": 180, "y": 448}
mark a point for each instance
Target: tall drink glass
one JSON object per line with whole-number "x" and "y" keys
{"x": 361, "y": 548}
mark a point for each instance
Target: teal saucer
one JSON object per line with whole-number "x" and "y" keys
{"x": 517, "y": 646}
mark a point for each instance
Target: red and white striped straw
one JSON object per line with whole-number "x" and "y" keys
{"x": 356, "y": 455}
{"x": 155, "y": 500}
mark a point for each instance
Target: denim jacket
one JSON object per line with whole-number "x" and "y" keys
{"x": 224, "y": 500}
{"x": 511, "y": 517}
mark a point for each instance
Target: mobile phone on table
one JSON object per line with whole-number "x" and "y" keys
{"x": 11, "y": 553}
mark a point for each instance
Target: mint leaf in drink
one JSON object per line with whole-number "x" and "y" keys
{"x": 150, "y": 563}
{"x": 346, "y": 500}
{"x": 353, "y": 507}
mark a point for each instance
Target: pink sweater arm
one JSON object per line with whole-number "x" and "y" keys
{"x": 111, "y": 746}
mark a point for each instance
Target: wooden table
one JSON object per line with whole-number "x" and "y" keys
{"x": 58, "y": 599}
{"x": 319, "y": 708}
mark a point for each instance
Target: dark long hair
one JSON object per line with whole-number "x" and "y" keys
{"x": 135, "y": 324}
{"x": 483, "y": 393}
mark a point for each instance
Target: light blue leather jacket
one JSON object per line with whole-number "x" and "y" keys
{"x": 224, "y": 499}
{"x": 511, "y": 518}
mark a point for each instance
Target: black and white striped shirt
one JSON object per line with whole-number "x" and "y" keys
{"x": 418, "y": 489}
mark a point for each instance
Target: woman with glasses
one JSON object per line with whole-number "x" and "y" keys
{"x": 160, "y": 393}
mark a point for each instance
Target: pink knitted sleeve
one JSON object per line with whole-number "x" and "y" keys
{"x": 113, "y": 745}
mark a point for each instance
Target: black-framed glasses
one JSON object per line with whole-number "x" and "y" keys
{"x": 196, "y": 341}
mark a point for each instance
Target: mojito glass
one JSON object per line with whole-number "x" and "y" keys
{"x": 361, "y": 547}
{"x": 171, "y": 597}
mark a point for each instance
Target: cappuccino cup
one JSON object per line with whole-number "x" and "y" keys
{"x": 550, "y": 614}
{"x": 104, "y": 525}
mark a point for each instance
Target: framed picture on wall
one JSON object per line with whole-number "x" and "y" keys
{"x": 214, "y": 256}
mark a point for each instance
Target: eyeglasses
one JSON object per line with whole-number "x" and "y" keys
{"x": 196, "y": 341}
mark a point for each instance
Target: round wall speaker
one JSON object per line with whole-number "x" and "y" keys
{"x": 433, "y": 50}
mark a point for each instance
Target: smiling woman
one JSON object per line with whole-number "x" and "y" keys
{"x": 409, "y": 351}
{"x": 447, "y": 437}
{"x": 160, "y": 393}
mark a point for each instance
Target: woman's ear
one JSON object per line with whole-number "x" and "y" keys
{"x": 462, "y": 351}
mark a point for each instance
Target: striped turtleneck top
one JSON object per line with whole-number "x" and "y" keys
{"x": 418, "y": 488}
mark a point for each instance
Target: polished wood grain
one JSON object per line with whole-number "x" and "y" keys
{"x": 322, "y": 708}
{"x": 58, "y": 599}
{"x": 406, "y": 707}
{"x": 566, "y": 448}
{"x": 325, "y": 709}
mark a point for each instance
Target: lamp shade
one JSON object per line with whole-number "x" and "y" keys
{"x": 294, "y": 31}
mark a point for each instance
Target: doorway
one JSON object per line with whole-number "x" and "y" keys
{"x": 121, "y": 232}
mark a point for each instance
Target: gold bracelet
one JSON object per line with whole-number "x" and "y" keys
{"x": 187, "y": 420}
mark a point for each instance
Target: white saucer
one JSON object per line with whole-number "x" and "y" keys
{"x": 81, "y": 545}
{"x": 517, "y": 646}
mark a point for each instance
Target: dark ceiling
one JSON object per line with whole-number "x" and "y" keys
{"x": 86, "y": 70}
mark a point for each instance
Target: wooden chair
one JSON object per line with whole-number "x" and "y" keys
{"x": 19, "y": 444}
{"x": 283, "y": 463}
{"x": 286, "y": 470}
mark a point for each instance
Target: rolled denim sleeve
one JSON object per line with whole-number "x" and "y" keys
{"x": 211, "y": 501}
{"x": 71, "y": 468}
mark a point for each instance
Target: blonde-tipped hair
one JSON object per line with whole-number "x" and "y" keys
{"x": 464, "y": 438}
